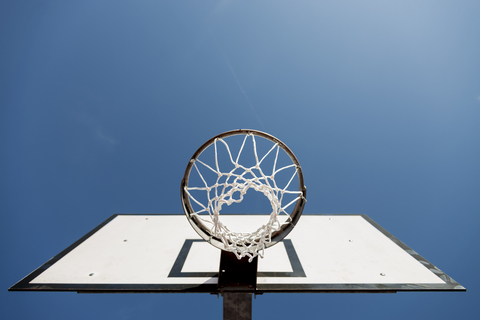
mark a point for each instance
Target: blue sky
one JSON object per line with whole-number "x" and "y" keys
{"x": 104, "y": 102}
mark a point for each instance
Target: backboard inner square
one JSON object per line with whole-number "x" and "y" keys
{"x": 203, "y": 257}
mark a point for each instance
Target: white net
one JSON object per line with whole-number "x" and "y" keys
{"x": 230, "y": 186}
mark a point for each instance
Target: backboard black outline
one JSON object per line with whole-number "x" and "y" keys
{"x": 449, "y": 285}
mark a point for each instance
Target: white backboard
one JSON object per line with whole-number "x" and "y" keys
{"x": 162, "y": 253}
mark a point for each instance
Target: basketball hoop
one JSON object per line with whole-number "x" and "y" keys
{"x": 230, "y": 186}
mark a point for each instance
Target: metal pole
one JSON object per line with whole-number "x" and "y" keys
{"x": 237, "y": 306}
{"x": 237, "y": 281}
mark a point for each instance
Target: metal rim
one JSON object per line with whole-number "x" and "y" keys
{"x": 202, "y": 230}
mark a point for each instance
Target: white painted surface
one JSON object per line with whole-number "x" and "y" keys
{"x": 332, "y": 250}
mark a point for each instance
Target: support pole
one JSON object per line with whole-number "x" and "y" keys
{"x": 237, "y": 306}
{"x": 237, "y": 281}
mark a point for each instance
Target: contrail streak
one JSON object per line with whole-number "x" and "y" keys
{"x": 244, "y": 93}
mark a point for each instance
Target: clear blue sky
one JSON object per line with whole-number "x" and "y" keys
{"x": 104, "y": 102}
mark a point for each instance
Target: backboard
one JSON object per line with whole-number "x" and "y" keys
{"x": 162, "y": 253}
